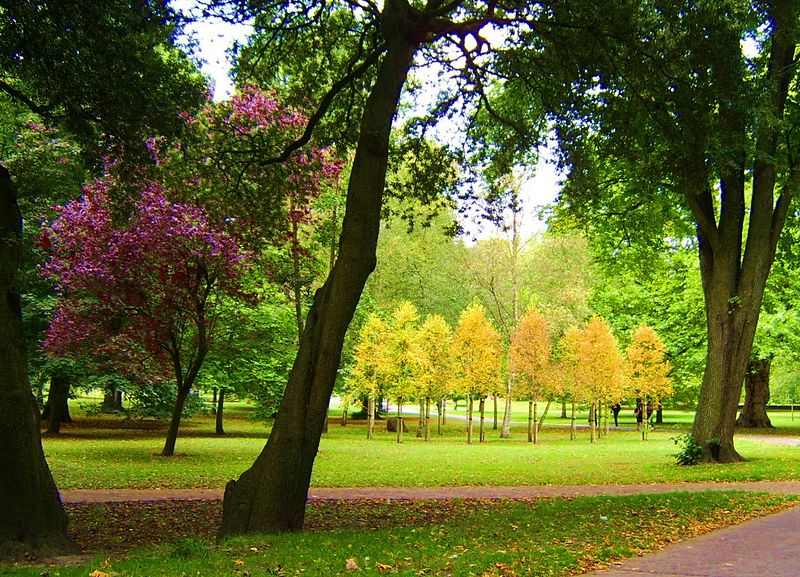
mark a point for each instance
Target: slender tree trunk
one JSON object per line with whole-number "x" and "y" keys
{"x": 593, "y": 420}
{"x": 756, "y": 396}
{"x": 544, "y": 414}
{"x": 496, "y": 413}
{"x": 371, "y": 417}
{"x": 572, "y": 424}
{"x": 56, "y": 410}
{"x": 564, "y": 409}
{"x": 444, "y": 414}
{"x": 220, "y": 406}
{"x": 271, "y": 496}
{"x": 469, "y": 420}
{"x": 531, "y": 419}
{"x": 535, "y": 424}
{"x": 505, "y": 433}
{"x": 399, "y": 421}
{"x": 31, "y": 515}
{"x": 482, "y": 428}
{"x": 427, "y": 418}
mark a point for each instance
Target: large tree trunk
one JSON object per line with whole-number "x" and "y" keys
{"x": 56, "y": 411}
{"x": 756, "y": 396}
{"x": 271, "y": 496}
{"x": 31, "y": 515}
{"x": 734, "y": 266}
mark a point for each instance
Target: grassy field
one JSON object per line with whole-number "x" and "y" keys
{"x": 106, "y": 453}
{"x": 553, "y": 537}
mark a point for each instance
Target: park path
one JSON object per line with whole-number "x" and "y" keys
{"x": 763, "y": 547}
{"x": 460, "y": 492}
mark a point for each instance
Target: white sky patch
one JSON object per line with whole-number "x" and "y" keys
{"x": 214, "y": 39}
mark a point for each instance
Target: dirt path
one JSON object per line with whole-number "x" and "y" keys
{"x": 462, "y": 492}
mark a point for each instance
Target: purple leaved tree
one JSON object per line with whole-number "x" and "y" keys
{"x": 142, "y": 292}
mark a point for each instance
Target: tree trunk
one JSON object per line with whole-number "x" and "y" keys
{"x": 175, "y": 422}
{"x": 659, "y": 414}
{"x": 593, "y": 420}
{"x": 271, "y": 496}
{"x": 427, "y": 418}
{"x": 734, "y": 266}
{"x": 112, "y": 400}
{"x": 482, "y": 428}
{"x": 220, "y": 406}
{"x": 56, "y": 411}
{"x": 469, "y": 420}
{"x": 530, "y": 420}
{"x": 541, "y": 419}
{"x": 371, "y": 417}
{"x": 535, "y": 424}
{"x": 756, "y": 396}
{"x": 572, "y": 424}
{"x": 32, "y": 515}
{"x": 505, "y": 433}
{"x": 399, "y": 421}
{"x": 564, "y": 409}
{"x": 496, "y": 419}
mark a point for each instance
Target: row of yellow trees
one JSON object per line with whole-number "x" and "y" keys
{"x": 405, "y": 360}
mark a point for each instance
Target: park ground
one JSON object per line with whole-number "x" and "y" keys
{"x": 363, "y": 530}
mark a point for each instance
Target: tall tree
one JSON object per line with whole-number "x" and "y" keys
{"x": 143, "y": 294}
{"x": 106, "y": 69}
{"x": 672, "y": 92}
{"x": 271, "y": 495}
{"x": 646, "y": 369}
{"x": 529, "y": 360}
{"x": 477, "y": 357}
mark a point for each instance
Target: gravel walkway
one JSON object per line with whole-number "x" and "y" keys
{"x": 462, "y": 492}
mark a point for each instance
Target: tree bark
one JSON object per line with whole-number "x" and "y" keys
{"x": 756, "y": 396}
{"x": 482, "y": 427}
{"x": 220, "y": 430}
{"x": 32, "y": 515}
{"x": 271, "y": 496}
{"x": 56, "y": 411}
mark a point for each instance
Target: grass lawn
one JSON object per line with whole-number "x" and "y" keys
{"x": 119, "y": 454}
{"x": 552, "y": 537}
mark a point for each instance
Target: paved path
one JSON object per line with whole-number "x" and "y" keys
{"x": 764, "y": 547}
{"x": 463, "y": 492}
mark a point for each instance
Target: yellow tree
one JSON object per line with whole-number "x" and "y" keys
{"x": 367, "y": 376}
{"x": 402, "y": 358}
{"x": 477, "y": 355}
{"x": 435, "y": 367}
{"x": 596, "y": 365}
{"x": 647, "y": 370}
{"x": 529, "y": 364}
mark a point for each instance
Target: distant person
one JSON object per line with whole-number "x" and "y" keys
{"x": 616, "y": 408}
{"x": 638, "y": 412}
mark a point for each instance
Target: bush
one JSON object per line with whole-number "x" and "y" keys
{"x": 689, "y": 452}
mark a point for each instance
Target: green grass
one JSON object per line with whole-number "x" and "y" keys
{"x": 490, "y": 538}
{"x": 91, "y": 455}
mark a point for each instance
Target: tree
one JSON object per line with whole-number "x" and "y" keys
{"x": 595, "y": 364}
{"x": 477, "y": 356}
{"x": 401, "y": 360}
{"x": 436, "y": 367}
{"x": 143, "y": 293}
{"x": 61, "y": 61}
{"x": 367, "y": 373}
{"x": 647, "y": 371}
{"x": 529, "y": 361}
{"x": 672, "y": 95}
{"x": 271, "y": 495}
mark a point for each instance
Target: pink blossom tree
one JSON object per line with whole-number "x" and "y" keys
{"x": 142, "y": 290}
